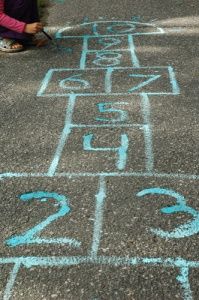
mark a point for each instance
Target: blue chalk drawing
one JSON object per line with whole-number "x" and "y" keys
{"x": 108, "y": 81}
{"x": 150, "y": 78}
{"x": 173, "y": 81}
{"x": 107, "y": 107}
{"x": 84, "y": 53}
{"x": 121, "y": 150}
{"x": 44, "y": 83}
{"x": 85, "y": 20}
{"x": 66, "y": 83}
{"x": 81, "y": 85}
{"x": 116, "y": 28}
{"x": 185, "y": 230}
{"x": 4, "y": 176}
{"x": 51, "y": 261}
{"x": 148, "y": 135}
{"x": 59, "y": 1}
{"x": 97, "y": 232}
{"x": 183, "y": 279}
{"x": 136, "y": 18}
{"x": 11, "y": 280}
{"x": 54, "y": 261}
{"x": 107, "y": 59}
{"x": 63, "y": 137}
{"x": 132, "y": 48}
{"x": 109, "y": 42}
{"x": 31, "y": 235}
{"x": 109, "y": 36}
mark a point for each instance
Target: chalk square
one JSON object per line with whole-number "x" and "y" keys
{"x": 108, "y": 110}
{"x": 108, "y": 43}
{"x": 104, "y": 150}
{"x": 136, "y": 225}
{"x": 102, "y": 59}
{"x": 149, "y": 80}
{"x": 98, "y": 282}
{"x": 66, "y": 82}
{"x": 68, "y": 204}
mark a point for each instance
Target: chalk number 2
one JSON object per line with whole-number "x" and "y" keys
{"x": 31, "y": 235}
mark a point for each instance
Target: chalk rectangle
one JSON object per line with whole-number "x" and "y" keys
{"x": 64, "y": 82}
{"x": 106, "y": 59}
{"x": 118, "y": 43}
{"x": 151, "y": 80}
{"x": 108, "y": 110}
{"x": 113, "y": 150}
{"x": 140, "y": 223}
{"x": 67, "y": 209}
{"x": 103, "y": 81}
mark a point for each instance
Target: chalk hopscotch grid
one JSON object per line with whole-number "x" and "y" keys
{"x": 93, "y": 258}
{"x": 108, "y": 82}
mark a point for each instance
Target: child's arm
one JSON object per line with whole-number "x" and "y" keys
{"x": 9, "y": 22}
{"x": 16, "y": 25}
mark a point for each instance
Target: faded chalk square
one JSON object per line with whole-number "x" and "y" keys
{"x": 151, "y": 217}
{"x": 55, "y": 216}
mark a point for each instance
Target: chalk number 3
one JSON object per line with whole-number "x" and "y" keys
{"x": 189, "y": 228}
{"x": 31, "y": 235}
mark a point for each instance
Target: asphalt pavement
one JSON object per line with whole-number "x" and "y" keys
{"x": 99, "y": 167}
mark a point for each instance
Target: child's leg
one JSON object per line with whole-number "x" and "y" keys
{"x": 9, "y": 45}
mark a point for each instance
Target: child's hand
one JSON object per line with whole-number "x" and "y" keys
{"x": 33, "y": 28}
